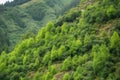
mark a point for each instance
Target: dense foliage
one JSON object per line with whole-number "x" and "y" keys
{"x": 22, "y": 19}
{"x": 15, "y": 2}
{"x": 75, "y": 47}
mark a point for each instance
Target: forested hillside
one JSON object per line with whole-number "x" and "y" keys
{"x": 83, "y": 44}
{"x": 21, "y": 19}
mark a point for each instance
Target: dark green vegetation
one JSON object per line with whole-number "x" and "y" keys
{"x": 84, "y": 44}
{"x": 15, "y": 2}
{"x": 23, "y": 18}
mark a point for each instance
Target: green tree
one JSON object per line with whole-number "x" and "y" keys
{"x": 87, "y": 39}
{"x": 100, "y": 57}
{"x": 47, "y": 76}
{"x": 49, "y": 26}
{"x": 115, "y": 40}
{"x": 30, "y": 42}
{"x": 54, "y": 78}
{"x": 115, "y": 43}
{"x": 54, "y": 54}
{"x": 52, "y": 69}
{"x": 85, "y": 57}
{"x": 40, "y": 35}
{"x": 66, "y": 76}
{"x": 80, "y": 60}
{"x": 2, "y": 67}
{"x": 76, "y": 44}
{"x": 67, "y": 63}
{"x": 46, "y": 58}
{"x": 11, "y": 58}
{"x": 64, "y": 28}
{"x": 77, "y": 75}
{"x": 37, "y": 62}
{"x": 37, "y": 76}
{"x": 75, "y": 61}
{"x": 24, "y": 60}
{"x": 87, "y": 42}
{"x": 61, "y": 51}
{"x": 111, "y": 11}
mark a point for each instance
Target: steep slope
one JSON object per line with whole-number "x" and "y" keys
{"x": 20, "y": 18}
{"x": 84, "y": 44}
